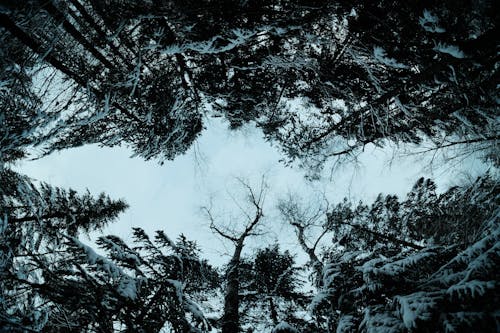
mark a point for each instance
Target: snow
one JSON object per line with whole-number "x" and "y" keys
{"x": 127, "y": 286}
{"x": 381, "y": 55}
{"x": 235, "y": 38}
{"x": 474, "y": 287}
{"x": 346, "y": 324}
{"x": 178, "y": 289}
{"x": 119, "y": 252}
{"x": 399, "y": 266}
{"x": 318, "y": 299}
{"x": 429, "y": 22}
{"x": 284, "y": 327}
{"x": 452, "y": 50}
{"x": 377, "y": 321}
{"x": 196, "y": 312}
{"x": 478, "y": 257}
{"x": 415, "y": 306}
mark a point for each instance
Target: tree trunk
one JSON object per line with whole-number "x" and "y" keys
{"x": 313, "y": 258}
{"x": 385, "y": 237}
{"x": 272, "y": 308}
{"x": 231, "y": 317}
{"x": 100, "y": 32}
{"x": 50, "y": 57}
{"x": 77, "y": 35}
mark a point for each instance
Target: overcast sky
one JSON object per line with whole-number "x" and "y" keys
{"x": 169, "y": 196}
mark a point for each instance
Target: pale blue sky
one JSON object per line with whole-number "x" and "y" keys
{"x": 169, "y": 196}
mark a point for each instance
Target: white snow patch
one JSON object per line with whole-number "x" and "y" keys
{"x": 381, "y": 55}
{"x": 429, "y": 22}
{"x": 452, "y": 50}
{"x": 284, "y": 326}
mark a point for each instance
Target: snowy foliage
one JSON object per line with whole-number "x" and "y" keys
{"x": 430, "y": 21}
{"x": 284, "y": 327}
{"x": 452, "y": 50}
{"x": 451, "y": 287}
{"x": 117, "y": 73}
{"x": 381, "y": 55}
{"x": 322, "y": 80}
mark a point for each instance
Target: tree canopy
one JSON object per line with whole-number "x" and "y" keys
{"x": 322, "y": 80}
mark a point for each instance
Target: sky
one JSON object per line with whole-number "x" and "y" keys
{"x": 170, "y": 196}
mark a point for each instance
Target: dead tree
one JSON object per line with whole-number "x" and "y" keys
{"x": 230, "y": 321}
{"x": 303, "y": 220}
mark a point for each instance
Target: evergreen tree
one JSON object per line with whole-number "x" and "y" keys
{"x": 35, "y": 222}
{"x": 271, "y": 286}
{"x": 435, "y": 274}
{"x": 21, "y": 115}
{"x": 132, "y": 289}
{"x": 401, "y": 72}
{"x": 199, "y": 275}
{"x": 427, "y": 73}
{"x": 322, "y": 79}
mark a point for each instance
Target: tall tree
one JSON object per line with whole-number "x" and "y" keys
{"x": 305, "y": 218}
{"x": 21, "y": 114}
{"x": 143, "y": 288}
{"x": 431, "y": 271}
{"x": 271, "y": 284}
{"x": 35, "y": 221}
{"x": 399, "y": 72}
{"x": 424, "y": 75}
{"x": 230, "y": 321}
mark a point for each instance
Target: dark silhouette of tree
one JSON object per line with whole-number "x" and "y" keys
{"x": 36, "y": 220}
{"x": 20, "y": 107}
{"x": 322, "y": 79}
{"x": 146, "y": 74}
{"x": 199, "y": 275}
{"x": 270, "y": 284}
{"x": 230, "y": 321}
{"x": 397, "y": 72}
{"x": 434, "y": 272}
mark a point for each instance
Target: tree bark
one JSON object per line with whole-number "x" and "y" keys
{"x": 231, "y": 317}
{"x": 385, "y": 237}
{"x": 71, "y": 30}
{"x": 274, "y": 313}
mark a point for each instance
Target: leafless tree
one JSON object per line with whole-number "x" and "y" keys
{"x": 237, "y": 233}
{"x": 305, "y": 218}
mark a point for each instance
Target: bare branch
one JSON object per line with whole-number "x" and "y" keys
{"x": 214, "y": 227}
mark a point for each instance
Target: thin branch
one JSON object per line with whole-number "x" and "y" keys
{"x": 214, "y": 227}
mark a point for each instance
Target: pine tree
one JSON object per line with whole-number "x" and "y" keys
{"x": 270, "y": 284}
{"x": 399, "y": 72}
{"x": 21, "y": 115}
{"x": 35, "y": 221}
{"x": 436, "y": 273}
{"x": 199, "y": 275}
{"x": 131, "y": 289}
{"x": 427, "y": 72}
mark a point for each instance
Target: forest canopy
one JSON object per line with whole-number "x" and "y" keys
{"x": 321, "y": 80}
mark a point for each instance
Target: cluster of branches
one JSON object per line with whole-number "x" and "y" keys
{"x": 427, "y": 263}
{"x": 145, "y": 73}
{"x": 74, "y": 72}
{"x": 52, "y": 282}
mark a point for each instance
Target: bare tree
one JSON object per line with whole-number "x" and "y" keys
{"x": 237, "y": 233}
{"x": 304, "y": 218}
